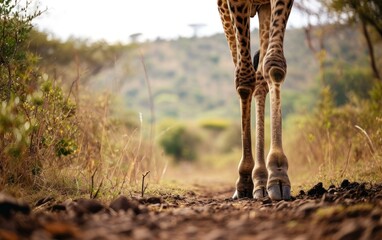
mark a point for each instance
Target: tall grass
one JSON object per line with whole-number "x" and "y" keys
{"x": 339, "y": 142}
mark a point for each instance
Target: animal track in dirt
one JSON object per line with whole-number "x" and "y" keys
{"x": 351, "y": 210}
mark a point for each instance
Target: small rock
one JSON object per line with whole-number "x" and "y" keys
{"x": 10, "y": 205}
{"x": 90, "y": 205}
{"x": 282, "y": 205}
{"x": 266, "y": 200}
{"x": 153, "y": 200}
{"x": 302, "y": 193}
{"x": 83, "y": 206}
{"x": 124, "y": 204}
{"x": 308, "y": 208}
{"x": 317, "y": 190}
{"x": 345, "y": 183}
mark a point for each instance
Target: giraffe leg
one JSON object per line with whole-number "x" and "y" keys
{"x": 260, "y": 174}
{"x": 277, "y": 162}
{"x": 274, "y": 68}
{"x": 244, "y": 184}
{"x": 236, "y": 26}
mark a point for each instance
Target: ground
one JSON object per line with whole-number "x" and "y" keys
{"x": 351, "y": 210}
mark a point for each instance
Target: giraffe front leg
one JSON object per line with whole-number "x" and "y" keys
{"x": 236, "y": 26}
{"x": 244, "y": 185}
{"x": 274, "y": 69}
{"x": 277, "y": 162}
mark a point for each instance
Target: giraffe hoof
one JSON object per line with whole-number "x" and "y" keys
{"x": 279, "y": 192}
{"x": 242, "y": 194}
{"x": 260, "y": 193}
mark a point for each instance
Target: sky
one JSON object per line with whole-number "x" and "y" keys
{"x": 115, "y": 20}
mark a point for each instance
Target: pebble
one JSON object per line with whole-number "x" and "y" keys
{"x": 10, "y": 205}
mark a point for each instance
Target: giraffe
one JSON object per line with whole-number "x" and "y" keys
{"x": 259, "y": 178}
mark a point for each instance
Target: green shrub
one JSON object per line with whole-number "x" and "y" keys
{"x": 179, "y": 142}
{"x": 36, "y": 119}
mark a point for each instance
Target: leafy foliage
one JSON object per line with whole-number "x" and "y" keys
{"x": 37, "y": 122}
{"x": 344, "y": 82}
{"x": 369, "y": 11}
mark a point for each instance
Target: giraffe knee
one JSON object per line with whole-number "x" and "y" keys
{"x": 277, "y": 74}
{"x": 244, "y": 92}
{"x": 275, "y": 66}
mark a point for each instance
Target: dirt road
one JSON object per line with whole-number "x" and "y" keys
{"x": 349, "y": 211}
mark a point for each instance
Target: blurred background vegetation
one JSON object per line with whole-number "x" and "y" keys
{"x": 80, "y": 117}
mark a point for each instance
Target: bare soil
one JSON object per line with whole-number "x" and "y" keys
{"x": 350, "y": 211}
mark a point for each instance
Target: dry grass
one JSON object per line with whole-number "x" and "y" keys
{"x": 346, "y": 146}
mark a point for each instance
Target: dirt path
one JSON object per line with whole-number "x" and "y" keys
{"x": 349, "y": 211}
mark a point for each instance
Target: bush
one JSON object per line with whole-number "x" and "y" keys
{"x": 36, "y": 119}
{"x": 179, "y": 142}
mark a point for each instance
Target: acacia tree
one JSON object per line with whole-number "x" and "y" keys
{"x": 368, "y": 13}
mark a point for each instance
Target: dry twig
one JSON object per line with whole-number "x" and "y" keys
{"x": 144, "y": 187}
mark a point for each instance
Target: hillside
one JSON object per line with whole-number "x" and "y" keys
{"x": 192, "y": 78}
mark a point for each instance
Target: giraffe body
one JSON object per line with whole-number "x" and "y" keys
{"x": 259, "y": 178}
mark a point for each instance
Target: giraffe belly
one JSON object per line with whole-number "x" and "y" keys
{"x": 256, "y": 4}
{"x": 260, "y": 2}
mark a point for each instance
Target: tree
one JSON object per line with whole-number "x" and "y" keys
{"x": 366, "y": 13}
{"x": 15, "y": 25}
{"x": 196, "y": 27}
